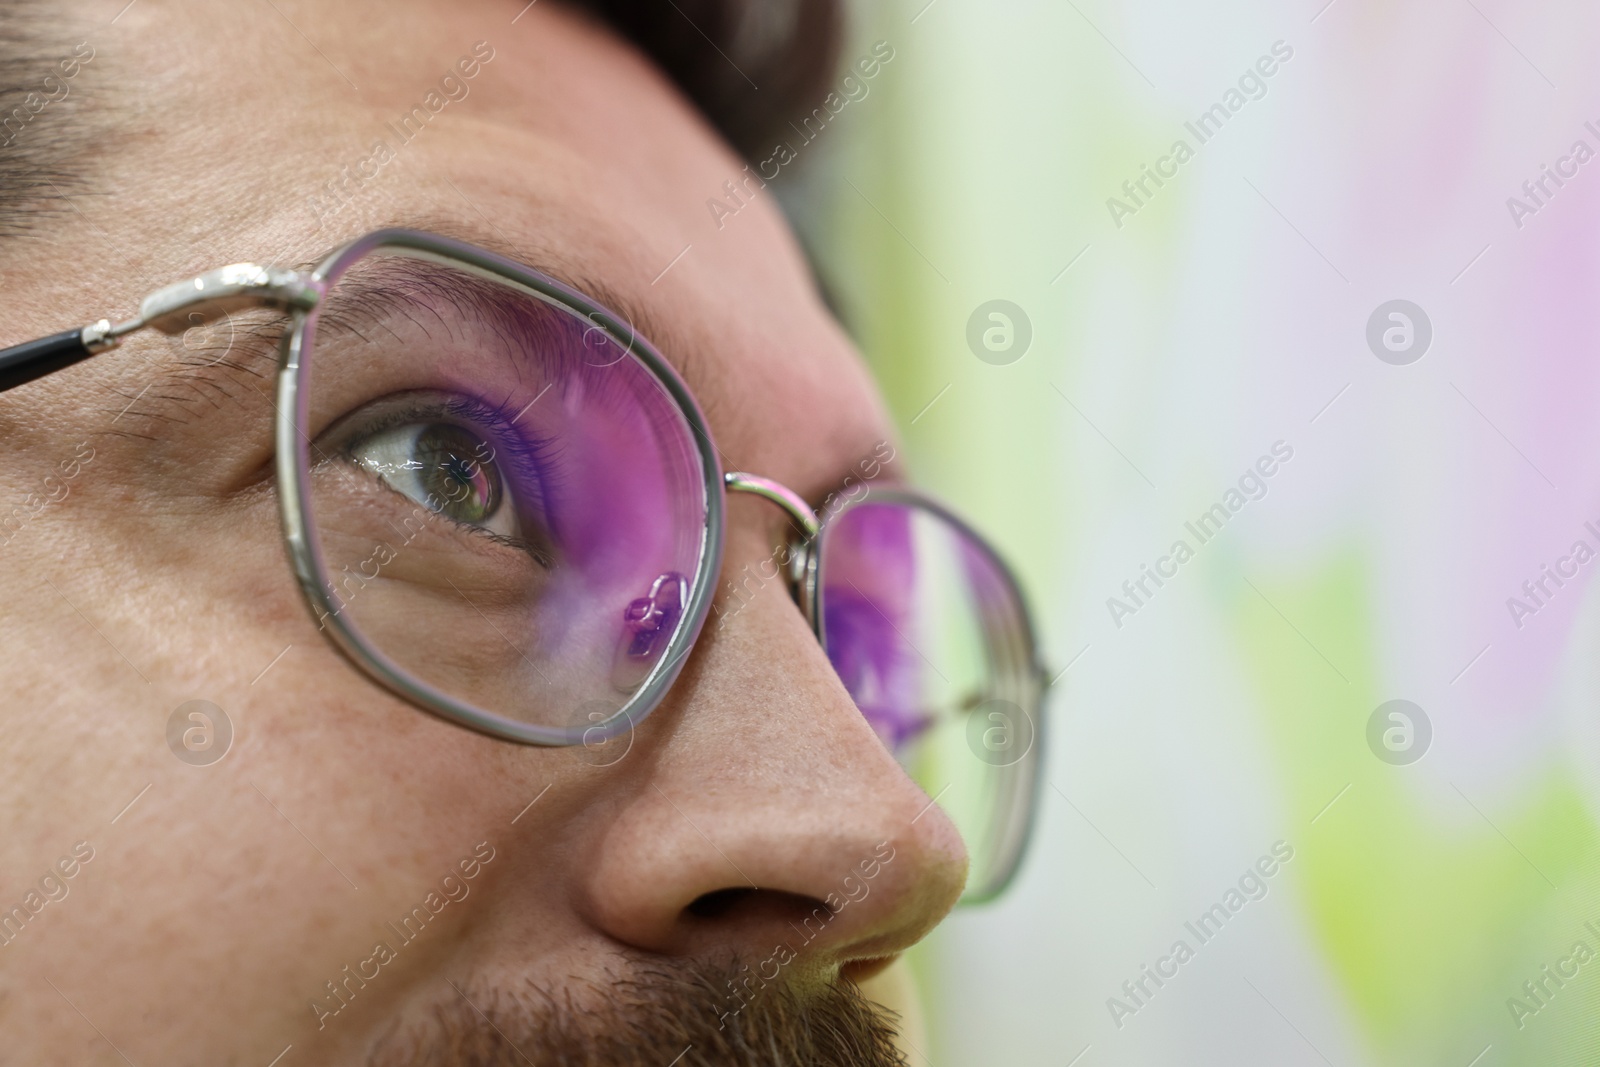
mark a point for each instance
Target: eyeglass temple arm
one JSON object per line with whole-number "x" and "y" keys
{"x": 171, "y": 310}
{"x": 22, "y": 363}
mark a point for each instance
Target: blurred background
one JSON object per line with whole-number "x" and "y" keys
{"x": 1343, "y": 277}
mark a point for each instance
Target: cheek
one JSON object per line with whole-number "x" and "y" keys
{"x": 206, "y": 606}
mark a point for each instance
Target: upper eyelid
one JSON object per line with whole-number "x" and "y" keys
{"x": 411, "y": 289}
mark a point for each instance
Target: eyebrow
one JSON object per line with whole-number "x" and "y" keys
{"x": 529, "y": 330}
{"x": 187, "y": 377}
{"x": 551, "y": 262}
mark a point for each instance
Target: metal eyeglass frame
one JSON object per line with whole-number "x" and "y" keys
{"x": 179, "y": 307}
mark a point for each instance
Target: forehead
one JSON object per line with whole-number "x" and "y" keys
{"x": 545, "y": 140}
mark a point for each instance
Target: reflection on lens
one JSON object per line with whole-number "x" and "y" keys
{"x": 929, "y": 635}
{"x": 445, "y": 466}
{"x": 648, "y": 624}
{"x": 501, "y": 519}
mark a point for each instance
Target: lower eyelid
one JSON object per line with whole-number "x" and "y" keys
{"x": 432, "y": 518}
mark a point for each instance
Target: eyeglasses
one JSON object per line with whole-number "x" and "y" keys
{"x": 522, "y": 531}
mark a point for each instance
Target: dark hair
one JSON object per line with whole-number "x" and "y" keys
{"x": 42, "y": 152}
{"x": 749, "y": 65}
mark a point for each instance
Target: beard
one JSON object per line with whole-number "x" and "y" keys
{"x": 661, "y": 1016}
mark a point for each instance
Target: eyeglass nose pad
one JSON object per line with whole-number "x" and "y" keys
{"x": 647, "y": 627}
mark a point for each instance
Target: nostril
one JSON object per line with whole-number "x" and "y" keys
{"x": 761, "y": 909}
{"x": 719, "y": 904}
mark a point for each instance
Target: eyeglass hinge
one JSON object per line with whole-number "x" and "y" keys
{"x": 216, "y": 293}
{"x": 97, "y": 337}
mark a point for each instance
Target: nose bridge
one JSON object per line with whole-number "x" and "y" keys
{"x": 771, "y": 785}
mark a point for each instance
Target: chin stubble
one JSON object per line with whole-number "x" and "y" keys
{"x": 658, "y": 1016}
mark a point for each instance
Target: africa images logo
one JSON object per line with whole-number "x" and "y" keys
{"x": 52, "y": 888}
{"x": 1252, "y": 485}
{"x": 1540, "y": 990}
{"x": 1253, "y": 885}
{"x": 743, "y": 987}
{"x": 454, "y": 86}
{"x": 1252, "y": 85}
{"x": 453, "y": 888}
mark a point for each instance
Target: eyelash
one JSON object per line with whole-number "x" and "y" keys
{"x": 536, "y": 457}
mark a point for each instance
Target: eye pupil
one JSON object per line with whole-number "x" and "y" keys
{"x": 467, "y": 489}
{"x": 444, "y": 455}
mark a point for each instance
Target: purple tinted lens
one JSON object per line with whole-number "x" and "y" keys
{"x": 927, "y": 632}
{"x": 868, "y": 602}
{"x": 509, "y": 505}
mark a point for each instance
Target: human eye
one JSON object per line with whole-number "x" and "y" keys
{"x": 486, "y": 506}
{"x": 460, "y": 458}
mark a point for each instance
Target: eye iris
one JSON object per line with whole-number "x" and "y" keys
{"x": 453, "y": 473}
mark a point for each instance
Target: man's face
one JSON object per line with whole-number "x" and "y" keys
{"x": 225, "y": 912}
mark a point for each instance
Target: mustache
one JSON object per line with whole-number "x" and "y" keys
{"x": 645, "y": 1019}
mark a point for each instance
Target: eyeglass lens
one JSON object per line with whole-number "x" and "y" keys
{"x": 929, "y": 636}
{"x": 508, "y": 505}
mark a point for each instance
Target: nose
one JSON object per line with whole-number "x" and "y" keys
{"x": 766, "y": 821}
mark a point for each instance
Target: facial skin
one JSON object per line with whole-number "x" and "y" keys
{"x": 216, "y": 908}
